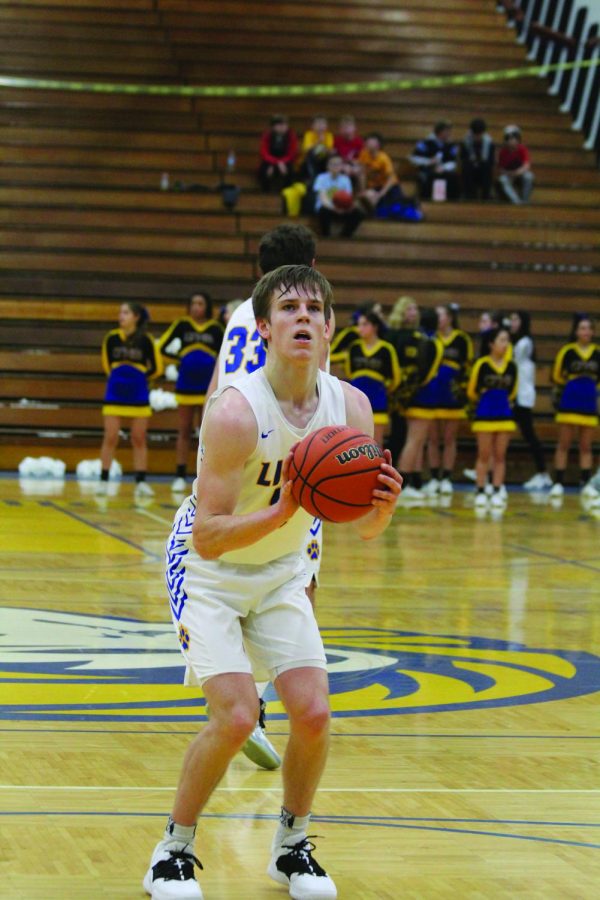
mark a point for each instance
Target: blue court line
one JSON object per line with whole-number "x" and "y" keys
{"x": 100, "y": 528}
{"x": 368, "y": 821}
{"x": 552, "y": 556}
{"x": 353, "y": 734}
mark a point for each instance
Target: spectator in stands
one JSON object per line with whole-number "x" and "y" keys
{"x": 193, "y": 341}
{"x": 334, "y": 201}
{"x": 349, "y": 145}
{"x": 514, "y": 167}
{"x": 435, "y": 158}
{"x": 278, "y": 153}
{"x": 378, "y": 180}
{"x": 524, "y": 356}
{"x": 130, "y": 359}
{"x": 477, "y": 155}
{"x": 576, "y": 375}
{"x": 317, "y": 145}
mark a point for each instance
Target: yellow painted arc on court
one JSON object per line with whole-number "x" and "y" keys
{"x": 65, "y": 695}
{"x": 547, "y": 662}
{"x": 433, "y": 689}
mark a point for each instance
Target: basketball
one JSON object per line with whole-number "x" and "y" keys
{"x": 342, "y": 200}
{"x": 334, "y": 471}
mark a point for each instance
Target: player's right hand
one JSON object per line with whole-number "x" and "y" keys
{"x": 286, "y": 504}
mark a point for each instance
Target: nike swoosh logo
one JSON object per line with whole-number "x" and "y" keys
{"x": 265, "y": 434}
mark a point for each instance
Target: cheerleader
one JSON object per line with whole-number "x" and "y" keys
{"x": 419, "y": 405}
{"x": 129, "y": 359}
{"x": 492, "y": 388}
{"x": 403, "y": 332}
{"x": 194, "y": 342}
{"x": 524, "y": 356}
{"x": 450, "y": 407}
{"x": 576, "y": 374}
{"x": 372, "y": 366}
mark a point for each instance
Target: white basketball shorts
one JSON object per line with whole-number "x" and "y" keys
{"x": 238, "y": 618}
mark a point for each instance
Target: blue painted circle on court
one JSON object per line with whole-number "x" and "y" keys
{"x": 73, "y": 667}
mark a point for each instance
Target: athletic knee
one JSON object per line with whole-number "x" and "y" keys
{"x": 237, "y": 723}
{"x": 138, "y": 441}
{"x": 313, "y": 718}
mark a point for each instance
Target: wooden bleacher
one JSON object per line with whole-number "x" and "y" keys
{"x": 84, "y": 224}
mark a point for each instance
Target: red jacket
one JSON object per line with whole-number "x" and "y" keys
{"x": 291, "y": 151}
{"x": 509, "y": 160}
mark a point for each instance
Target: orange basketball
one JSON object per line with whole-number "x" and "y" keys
{"x": 334, "y": 472}
{"x": 342, "y": 200}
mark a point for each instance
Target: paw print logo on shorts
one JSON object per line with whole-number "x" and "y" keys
{"x": 313, "y": 550}
{"x": 184, "y": 637}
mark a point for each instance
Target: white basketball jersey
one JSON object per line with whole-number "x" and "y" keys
{"x": 262, "y": 471}
{"x": 242, "y": 350}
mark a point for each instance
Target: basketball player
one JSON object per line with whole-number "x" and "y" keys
{"x": 243, "y": 352}
{"x": 237, "y": 584}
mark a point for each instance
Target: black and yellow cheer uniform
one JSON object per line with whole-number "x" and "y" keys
{"x": 418, "y": 385}
{"x": 341, "y": 342}
{"x": 449, "y": 386}
{"x": 129, "y": 363}
{"x": 493, "y": 388}
{"x": 375, "y": 371}
{"x": 408, "y": 343}
{"x": 198, "y": 345}
{"x": 577, "y": 372}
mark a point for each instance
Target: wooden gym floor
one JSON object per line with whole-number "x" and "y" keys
{"x": 464, "y": 675}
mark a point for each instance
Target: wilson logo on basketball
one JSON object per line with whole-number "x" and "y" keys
{"x": 371, "y": 451}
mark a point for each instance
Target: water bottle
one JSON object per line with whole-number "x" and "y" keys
{"x": 231, "y": 161}
{"x": 164, "y": 181}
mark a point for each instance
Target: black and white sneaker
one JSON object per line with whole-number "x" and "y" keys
{"x": 296, "y": 868}
{"x": 170, "y": 875}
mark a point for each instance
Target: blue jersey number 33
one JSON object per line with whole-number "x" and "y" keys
{"x": 243, "y": 353}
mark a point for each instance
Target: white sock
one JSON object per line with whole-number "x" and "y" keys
{"x": 291, "y": 829}
{"x": 179, "y": 836}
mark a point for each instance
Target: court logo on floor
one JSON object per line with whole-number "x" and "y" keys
{"x": 98, "y": 668}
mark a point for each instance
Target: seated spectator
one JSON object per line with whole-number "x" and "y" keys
{"x": 435, "y": 158}
{"x": 317, "y": 145}
{"x": 477, "y": 154}
{"x": 378, "y": 180}
{"x": 514, "y": 167}
{"x": 278, "y": 152}
{"x": 348, "y": 144}
{"x": 334, "y": 201}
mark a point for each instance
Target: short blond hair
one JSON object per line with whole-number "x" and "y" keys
{"x": 396, "y": 317}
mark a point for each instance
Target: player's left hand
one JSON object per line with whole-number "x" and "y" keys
{"x": 386, "y": 497}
